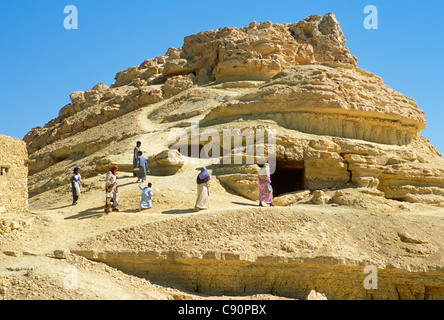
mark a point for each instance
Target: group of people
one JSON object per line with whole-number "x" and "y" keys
{"x": 141, "y": 170}
{"x": 203, "y": 188}
{"x": 111, "y": 190}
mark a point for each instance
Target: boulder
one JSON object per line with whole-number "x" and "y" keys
{"x": 325, "y": 36}
{"x": 175, "y": 85}
{"x": 313, "y": 295}
{"x": 167, "y": 162}
{"x": 77, "y": 96}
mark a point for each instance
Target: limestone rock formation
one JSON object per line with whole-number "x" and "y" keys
{"x": 345, "y": 101}
{"x": 354, "y": 181}
{"x": 337, "y": 126}
{"x": 325, "y": 36}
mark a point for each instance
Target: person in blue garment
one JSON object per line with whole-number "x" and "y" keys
{"x": 142, "y": 167}
{"x": 147, "y": 195}
{"x": 76, "y": 181}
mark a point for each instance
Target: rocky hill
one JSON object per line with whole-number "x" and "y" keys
{"x": 355, "y": 182}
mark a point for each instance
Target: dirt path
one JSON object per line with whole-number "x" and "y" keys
{"x": 29, "y": 268}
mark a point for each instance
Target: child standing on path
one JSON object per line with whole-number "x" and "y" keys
{"x": 109, "y": 198}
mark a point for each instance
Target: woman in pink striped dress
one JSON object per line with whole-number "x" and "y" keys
{"x": 265, "y": 189}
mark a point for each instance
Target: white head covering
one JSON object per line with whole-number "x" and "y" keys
{"x": 264, "y": 170}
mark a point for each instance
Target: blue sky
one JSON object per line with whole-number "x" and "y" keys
{"x": 41, "y": 62}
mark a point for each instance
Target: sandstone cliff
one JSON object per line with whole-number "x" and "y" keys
{"x": 355, "y": 182}
{"x": 338, "y": 123}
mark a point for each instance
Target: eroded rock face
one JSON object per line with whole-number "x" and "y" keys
{"x": 325, "y": 36}
{"x": 260, "y": 51}
{"x": 342, "y": 139}
{"x": 333, "y": 100}
{"x": 339, "y": 126}
{"x": 175, "y": 85}
{"x": 254, "y": 52}
{"x": 297, "y": 249}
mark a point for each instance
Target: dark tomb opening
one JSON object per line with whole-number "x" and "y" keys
{"x": 285, "y": 180}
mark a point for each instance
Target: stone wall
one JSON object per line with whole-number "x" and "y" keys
{"x": 13, "y": 175}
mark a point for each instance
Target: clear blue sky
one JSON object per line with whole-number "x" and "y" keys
{"x": 41, "y": 62}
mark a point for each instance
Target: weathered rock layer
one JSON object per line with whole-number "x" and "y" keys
{"x": 341, "y": 137}
{"x": 299, "y": 250}
{"x": 339, "y": 125}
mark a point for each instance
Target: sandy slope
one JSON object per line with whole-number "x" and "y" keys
{"x": 233, "y": 224}
{"x": 28, "y": 269}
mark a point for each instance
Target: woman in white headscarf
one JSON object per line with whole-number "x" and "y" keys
{"x": 203, "y": 193}
{"x": 265, "y": 189}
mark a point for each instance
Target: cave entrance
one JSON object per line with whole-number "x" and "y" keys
{"x": 287, "y": 179}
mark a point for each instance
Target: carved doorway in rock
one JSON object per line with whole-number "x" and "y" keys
{"x": 288, "y": 178}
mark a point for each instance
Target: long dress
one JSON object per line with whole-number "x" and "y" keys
{"x": 147, "y": 195}
{"x": 203, "y": 196}
{"x": 265, "y": 190}
{"x": 203, "y": 193}
{"x": 142, "y": 165}
{"x": 76, "y": 180}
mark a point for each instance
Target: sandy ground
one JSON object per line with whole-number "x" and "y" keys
{"x": 36, "y": 261}
{"x": 31, "y": 268}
